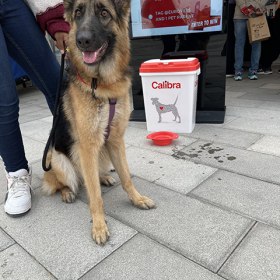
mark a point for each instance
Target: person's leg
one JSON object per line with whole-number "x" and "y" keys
{"x": 22, "y": 38}
{"x": 11, "y": 145}
{"x": 230, "y": 41}
{"x": 267, "y": 50}
{"x": 240, "y": 31}
{"x": 255, "y": 57}
{"x": 28, "y": 47}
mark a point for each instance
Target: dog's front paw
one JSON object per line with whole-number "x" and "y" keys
{"x": 143, "y": 202}
{"x": 100, "y": 234}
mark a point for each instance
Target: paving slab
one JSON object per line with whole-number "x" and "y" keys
{"x": 28, "y": 109}
{"x": 58, "y": 235}
{"x": 271, "y": 127}
{"x": 31, "y": 96}
{"x": 227, "y": 136}
{"x": 5, "y": 240}
{"x": 267, "y": 145}
{"x": 36, "y": 130}
{"x": 137, "y": 137}
{"x": 257, "y": 257}
{"x": 142, "y": 258}
{"x": 271, "y": 86}
{"x": 249, "y": 163}
{"x": 249, "y": 197}
{"x": 273, "y": 106}
{"x": 48, "y": 120}
{"x": 33, "y": 149}
{"x": 234, "y": 94}
{"x": 260, "y": 94}
{"x": 253, "y": 113}
{"x": 35, "y": 115}
{"x": 259, "y": 89}
{"x": 166, "y": 170}
{"x": 16, "y": 264}
{"x": 199, "y": 231}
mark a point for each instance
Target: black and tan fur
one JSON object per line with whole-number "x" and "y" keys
{"x": 80, "y": 154}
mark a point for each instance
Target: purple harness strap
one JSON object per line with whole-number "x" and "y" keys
{"x": 112, "y": 103}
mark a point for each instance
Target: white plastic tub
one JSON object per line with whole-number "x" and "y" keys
{"x": 170, "y": 93}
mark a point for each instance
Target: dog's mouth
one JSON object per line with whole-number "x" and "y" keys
{"x": 92, "y": 57}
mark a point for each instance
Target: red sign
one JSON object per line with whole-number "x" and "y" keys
{"x": 171, "y": 13}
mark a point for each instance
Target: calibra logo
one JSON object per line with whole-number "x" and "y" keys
{"x": 165, "y": 84}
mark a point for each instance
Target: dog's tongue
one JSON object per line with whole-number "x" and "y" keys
{"x": 90, "y": 57}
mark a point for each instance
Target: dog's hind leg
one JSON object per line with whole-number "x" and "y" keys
{"x": 117, "y": 153}
{"x": 62, "y": 177}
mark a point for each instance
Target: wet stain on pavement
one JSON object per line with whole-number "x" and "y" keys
{"x": 204, "y": 151}
{"x": 231, "y": 158}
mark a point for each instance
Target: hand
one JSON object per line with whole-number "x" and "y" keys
{"x": 61, "y": 37}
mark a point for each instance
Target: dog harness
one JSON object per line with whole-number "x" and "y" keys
{"x": 112, "y": 103}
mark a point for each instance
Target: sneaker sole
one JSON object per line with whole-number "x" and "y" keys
{"x": 17, "y": 215}
{"x": 22, "y": 211}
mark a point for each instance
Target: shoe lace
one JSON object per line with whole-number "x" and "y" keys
{"x": 20, "y": 186}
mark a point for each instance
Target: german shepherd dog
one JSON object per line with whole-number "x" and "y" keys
{"x": 99, "y": 49}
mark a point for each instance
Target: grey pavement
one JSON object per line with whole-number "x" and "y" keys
{"x": 217, "y": 192}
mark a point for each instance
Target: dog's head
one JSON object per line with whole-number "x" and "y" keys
{"x": 98, "y": 37}
{"x": 155, "y": 100}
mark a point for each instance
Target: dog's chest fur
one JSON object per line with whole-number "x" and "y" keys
{"x": 90, "y": 115}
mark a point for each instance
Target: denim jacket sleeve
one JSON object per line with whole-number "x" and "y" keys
{"x": 49, "y": 15}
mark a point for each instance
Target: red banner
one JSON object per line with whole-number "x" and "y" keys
{"x": 170, "y": 13}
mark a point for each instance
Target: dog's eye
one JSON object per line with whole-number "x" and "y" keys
{"x": 104, "y": 13}
{"x": 78, "y": 12}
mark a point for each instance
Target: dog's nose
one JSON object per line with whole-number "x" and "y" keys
{"x": 84, "y": 39}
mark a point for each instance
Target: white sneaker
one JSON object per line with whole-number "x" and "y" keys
{"x": 18, "y": 197}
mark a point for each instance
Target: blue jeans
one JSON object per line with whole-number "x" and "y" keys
{"x": 240, "y": 32}
{"x": 22, "y": 39}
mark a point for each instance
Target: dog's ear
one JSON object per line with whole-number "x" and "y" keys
{"x": 122, "y": 6}
{"x": 68, "y": 9}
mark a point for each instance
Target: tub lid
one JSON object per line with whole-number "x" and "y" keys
{"x": 170, "y": 65}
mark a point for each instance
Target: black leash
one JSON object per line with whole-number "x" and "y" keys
{"x": 55, "y": 115}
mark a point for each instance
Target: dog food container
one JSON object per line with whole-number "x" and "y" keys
{"x": 170, "y": 93}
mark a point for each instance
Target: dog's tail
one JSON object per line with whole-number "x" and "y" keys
{"x": 175, "y": 101}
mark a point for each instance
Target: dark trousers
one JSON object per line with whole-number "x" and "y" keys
{"x": 230, "y": 41}
{"x": 21, "y": 38}
{"x": 271, "y": 47}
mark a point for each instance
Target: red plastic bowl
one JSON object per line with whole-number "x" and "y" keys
{"x": 162, "y": 138}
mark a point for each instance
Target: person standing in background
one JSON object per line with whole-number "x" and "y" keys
{"x": 243, "y": 10}
{"x": 271, "y": 47}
